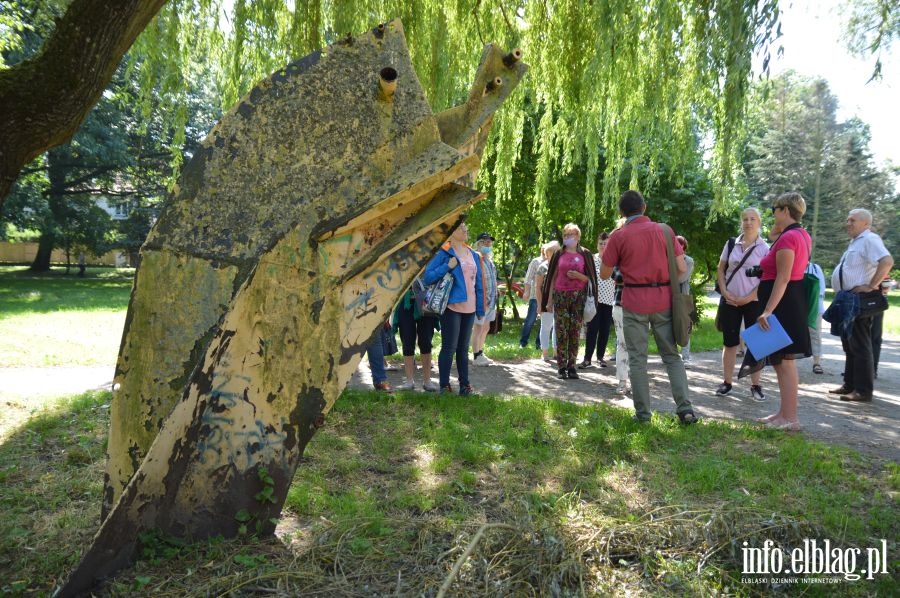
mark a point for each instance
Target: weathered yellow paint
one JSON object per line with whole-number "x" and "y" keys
{"x": 291, "y": 235}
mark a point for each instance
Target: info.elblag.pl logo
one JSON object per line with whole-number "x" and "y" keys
{"x": 815, "y": 557}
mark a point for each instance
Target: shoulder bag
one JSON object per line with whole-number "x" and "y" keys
{"x": 432, "y": 299}
{"x": 747, "y": 254}
{"x": 871, "y": 303}
{"x": 590, "y": 303}
{"x": 682, "y": 303}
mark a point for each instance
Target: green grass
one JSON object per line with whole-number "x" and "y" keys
{"x": 562, "y": 499}
{"x": 52, "y": 319}
{"x": 576, "y": 498}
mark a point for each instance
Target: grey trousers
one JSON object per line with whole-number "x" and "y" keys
{"x": 637, "y": 328}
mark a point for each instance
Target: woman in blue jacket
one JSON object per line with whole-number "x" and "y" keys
{"x": 466, "y": 302}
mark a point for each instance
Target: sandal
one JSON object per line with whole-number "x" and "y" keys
{"x": 687, "y": 418}
{"x": 817, "y": 369}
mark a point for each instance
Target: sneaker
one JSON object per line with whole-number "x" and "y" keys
{"x": 585, "y": 365}
{"x": 603, "y": 363}
{"x": 383, "y": 387}
{"x": 483, "y": 361}
{"x": 431, "y": 387}
{"x": 408, "y": 385}
{"x": 467, "y": 391}
{"x": 622, "y": 388}
{"x": 447, "y": 390}
{"x": 573, "y": 375}
{"x": 562, "y": 374}
{"x": 391, "y": 367}
{"x": 688, "y": 364}
{"x": 756, "y": 393}
{"x": 724, "y": 389}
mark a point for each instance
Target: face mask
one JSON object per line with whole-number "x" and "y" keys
{"x": 570, "y": 242}
{"x": 486, "y": 250}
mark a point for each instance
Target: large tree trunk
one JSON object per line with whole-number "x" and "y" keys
{"x": 41, "y": 261}
{"x": 44, "y": 100}
{"x": 56, "y": 176}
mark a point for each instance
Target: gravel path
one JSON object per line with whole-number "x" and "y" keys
{"x": 871, "y": 428}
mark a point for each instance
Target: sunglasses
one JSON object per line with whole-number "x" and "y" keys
{"x": 773, "y": 208}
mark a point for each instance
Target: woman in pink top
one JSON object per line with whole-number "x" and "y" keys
{"x": 565, "y": 289}
{"x": 782, "y": 294}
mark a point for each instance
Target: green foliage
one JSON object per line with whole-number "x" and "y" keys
{"x": 873, "y": 26}
{"x": 796, "y": 143}
{"x": 641, "y": 79}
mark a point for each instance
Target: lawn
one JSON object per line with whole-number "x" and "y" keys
{"x": 419, "y": 495}
{"x": 527, "y": 496}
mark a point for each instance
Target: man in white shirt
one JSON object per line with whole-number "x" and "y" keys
{"x": 861, "y": 270}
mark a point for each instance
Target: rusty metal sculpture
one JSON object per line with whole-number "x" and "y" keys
{"x": 292, "y": 233}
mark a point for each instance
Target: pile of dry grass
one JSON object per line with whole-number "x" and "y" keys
{"x": 669, "y": 550}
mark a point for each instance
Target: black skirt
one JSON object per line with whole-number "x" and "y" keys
{"x": 791, "y": 313}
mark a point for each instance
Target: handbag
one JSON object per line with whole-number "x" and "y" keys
{"x": 811, "y": 285}
{"x": 590, "y": 303}
{"x": 432, "y": 299}
{"x": 388, "y": 340}
{"x": 497, "y": 324}
{"x": 872, "y": 303}
{"x": 682, "y": 303}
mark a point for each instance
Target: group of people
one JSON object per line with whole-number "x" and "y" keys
{"x": 627, "y": 281}
{"x": 471, "y": 307}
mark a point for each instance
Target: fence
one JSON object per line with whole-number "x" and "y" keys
{"x": 24, "y": 253}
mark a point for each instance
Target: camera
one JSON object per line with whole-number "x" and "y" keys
{"x": 753, "y": 271}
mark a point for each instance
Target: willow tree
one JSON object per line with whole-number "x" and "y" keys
{"x": 638, "y": 78}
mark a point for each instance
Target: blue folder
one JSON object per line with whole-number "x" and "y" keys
{"x": 763, "y": 343}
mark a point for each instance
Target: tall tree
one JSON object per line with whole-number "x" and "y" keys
{"x": 43, "y": 100}
{"x": 637, "y": 77}
{"x": 795, "y": 142}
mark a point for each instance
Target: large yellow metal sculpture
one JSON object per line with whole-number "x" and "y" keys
{"x": 293, "y": 231}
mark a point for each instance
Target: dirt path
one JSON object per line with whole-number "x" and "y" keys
{"x": 871, "y": 428}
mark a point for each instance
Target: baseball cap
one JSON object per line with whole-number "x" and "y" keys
{"x": 484, "y": 237}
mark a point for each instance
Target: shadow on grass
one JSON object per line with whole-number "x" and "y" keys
{"x": 405, "y": 494}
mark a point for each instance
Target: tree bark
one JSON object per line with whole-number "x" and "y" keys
{"x": 56, "y": 175}
{"x": 44, "y": 100}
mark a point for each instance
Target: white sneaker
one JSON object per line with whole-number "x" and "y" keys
{"x": 430, "y": 387}
{"x": 688, "y": 364}
{"x": 482, "y": 360}
{"x": 622, "y": 388}
{"x": 408, "y": 385}
{"x": 756, "y": 393}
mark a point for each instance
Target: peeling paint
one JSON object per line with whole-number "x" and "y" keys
{"x": 290, "y": 236}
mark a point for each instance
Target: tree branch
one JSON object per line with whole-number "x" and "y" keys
{"x": 44, "y": 100}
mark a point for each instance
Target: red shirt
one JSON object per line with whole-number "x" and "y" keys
{"x": 798, "y": 241}
{"x": 639, "y": 250}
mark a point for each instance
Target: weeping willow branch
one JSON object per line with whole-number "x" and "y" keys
{"x": 639, "y": 80}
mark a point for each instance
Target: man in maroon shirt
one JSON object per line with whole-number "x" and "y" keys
{"x": 639, "y": 250}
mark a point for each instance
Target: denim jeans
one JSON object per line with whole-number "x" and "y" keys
{"x": 456, "y": 332}
{"x": 375, "y": 353}
{"x": 637, "y": 327}
{"x": 529, "y": 323}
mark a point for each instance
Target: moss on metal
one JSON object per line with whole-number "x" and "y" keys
{"x": 293, "y": 232}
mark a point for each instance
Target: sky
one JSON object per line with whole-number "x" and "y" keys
{"x": 813, "y": 43}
